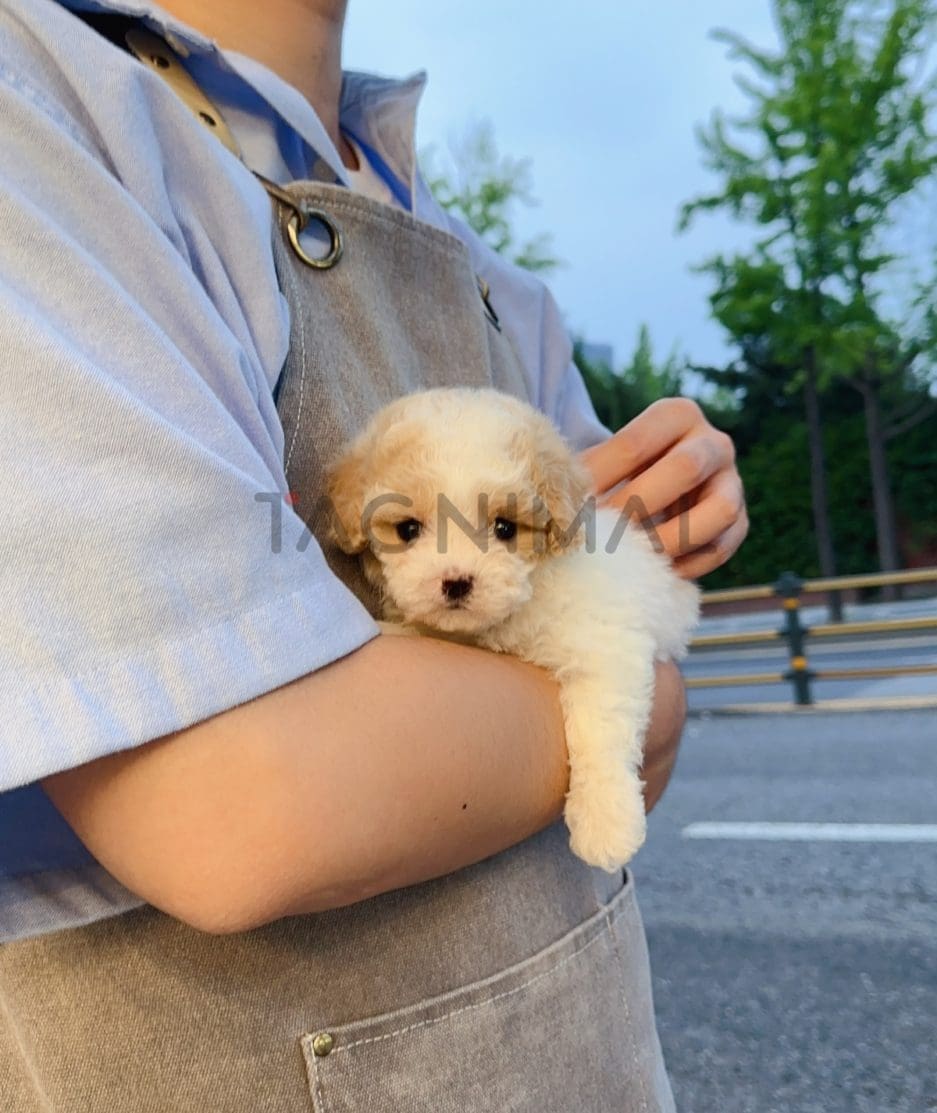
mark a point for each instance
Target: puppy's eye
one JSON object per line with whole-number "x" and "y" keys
{"x": 408, "y": 529}
{"x": 505, "y": 529}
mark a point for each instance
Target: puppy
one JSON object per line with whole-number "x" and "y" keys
{"x": 474, "y": 519}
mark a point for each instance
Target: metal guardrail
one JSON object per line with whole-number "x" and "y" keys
{"x": 788, "y": 591}
{"x": 814, "y": 587}
{"x": 881, "y": 626}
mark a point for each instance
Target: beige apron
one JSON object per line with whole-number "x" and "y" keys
{"x": 519, "y": 985}
{"x": 401, "y": 311}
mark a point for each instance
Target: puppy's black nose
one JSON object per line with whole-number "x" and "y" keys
{"x": 457, "y": 589}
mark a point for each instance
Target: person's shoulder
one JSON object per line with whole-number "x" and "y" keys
{"x": 57, "y": 71}
{"x": 24, "y": 26}
{"x": 37, "y": 39}
{"x": 52, "y": 64}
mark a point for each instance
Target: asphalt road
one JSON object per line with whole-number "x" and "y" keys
{"x": 797, "y": 977}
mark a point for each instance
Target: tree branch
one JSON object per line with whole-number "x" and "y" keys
{"x": 897, "y": 428}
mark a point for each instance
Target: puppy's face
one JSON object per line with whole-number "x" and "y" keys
{"x": 455, "y": 496}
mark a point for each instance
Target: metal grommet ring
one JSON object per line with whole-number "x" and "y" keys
{"x": 297, "y": 223}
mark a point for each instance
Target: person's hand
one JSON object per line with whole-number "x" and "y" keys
{"x": 670, "y": 466}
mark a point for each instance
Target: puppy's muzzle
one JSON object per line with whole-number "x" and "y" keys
{"x": 457, "y": 589}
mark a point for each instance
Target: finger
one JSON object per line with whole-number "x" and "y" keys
{"x": 716, "y": 508}
{"x": 713, "y": 556}
{"x": 641, "y": 441}
{"x": 686, "y": 467}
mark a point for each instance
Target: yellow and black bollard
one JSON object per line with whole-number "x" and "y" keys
{"x": 788, "y": 587}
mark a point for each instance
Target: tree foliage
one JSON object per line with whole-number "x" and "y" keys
{"x": 484, "y": 187}
{"x": 837, "y": 137}
{"x": 775, "y": 465}
{"x": 620, "y": 395}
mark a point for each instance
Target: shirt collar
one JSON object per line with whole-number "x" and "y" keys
{"x": 181, "y": 38}
{"x": 382, "y": 112}
{"x": 378, "y": 110}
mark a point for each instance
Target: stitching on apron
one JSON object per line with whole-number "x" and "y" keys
{"x": 318, "y": 1097}
{"x": 302, "y": 379}
{"x": 449, "y": 1015}
{"x": 630, "y": 1022}
{"x": 481, "y": 1004}
{"x": 13, "y": 1027}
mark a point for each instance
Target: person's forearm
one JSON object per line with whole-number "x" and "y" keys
{"x": 406, "y": 760}
{"x": 663, "y": 733}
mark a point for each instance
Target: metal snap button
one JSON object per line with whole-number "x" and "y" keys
{"x": 323, "y": 1044}
{"x": 485, "y": 290}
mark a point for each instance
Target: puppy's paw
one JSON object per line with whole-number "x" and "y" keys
{"x": 606, "y": 823}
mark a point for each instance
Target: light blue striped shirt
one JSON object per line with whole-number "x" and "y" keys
{"x": 141, "y": 335}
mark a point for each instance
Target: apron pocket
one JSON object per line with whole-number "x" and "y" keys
{"x": 570, "y": 1028}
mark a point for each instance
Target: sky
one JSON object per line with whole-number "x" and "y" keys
{"x": 603, "y": 97}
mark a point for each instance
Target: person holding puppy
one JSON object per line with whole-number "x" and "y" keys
{"x": 252, "y": 855}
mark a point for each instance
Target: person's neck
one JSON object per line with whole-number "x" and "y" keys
{"x": 300, "y": 40}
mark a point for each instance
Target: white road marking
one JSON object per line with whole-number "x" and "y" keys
{"x": 815, "y": 832}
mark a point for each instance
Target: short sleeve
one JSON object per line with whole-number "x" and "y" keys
{"x": 152, "y": 573}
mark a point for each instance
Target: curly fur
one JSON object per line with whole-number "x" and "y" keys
{"x": 595, "y": 610}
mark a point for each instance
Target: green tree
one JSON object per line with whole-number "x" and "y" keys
{"x": 769, "y": 429}
{"x": 483, "y": 187}
{"x": 836, "y": 137}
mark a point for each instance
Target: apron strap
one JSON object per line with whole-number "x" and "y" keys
{"x": 154, "y": 51}
{"x": 157, "y": 54}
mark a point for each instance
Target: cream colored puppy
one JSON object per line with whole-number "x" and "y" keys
{"x": 475, "y": 520}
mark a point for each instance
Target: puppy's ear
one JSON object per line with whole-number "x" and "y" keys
{"x": 346, "y": 484}
{"x": 563, "y": 485}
